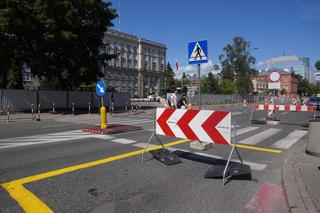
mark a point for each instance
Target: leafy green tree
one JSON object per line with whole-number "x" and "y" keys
{"x": 213, "y": 84}
{"x": 317, "y": 65}
{"x": 184, "y": 83}
{"x": 61, "y": 41}
{"x": 14, "y": 79}
{"x": 170, "y": 84}
{"x": 227, "y": 87}
{"x": 236, "y": 62}
{"x": 283, "y": 91}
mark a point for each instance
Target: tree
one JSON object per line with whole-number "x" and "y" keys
{"x": 213, "y": 84}
{"x": 61, "y": 41}
{"x": 317, "y": 65}
{"x": 169, "y": 81}
{"x": 227, "y": 87}
{"x": 283, "y": 91}
{"x": 184, "y": 83}
{"x": 236, "y": 62}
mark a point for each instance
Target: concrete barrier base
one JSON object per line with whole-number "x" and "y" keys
{"x": 273, "y": 122}
{"x": 313, "y": 143}
{"x": 202, "y": 146}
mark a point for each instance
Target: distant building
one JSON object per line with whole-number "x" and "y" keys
{"x": 317, "y": 78}
{"x": 288, "y": 82}
{"x": 300, "y": 65}
{"x": 139, "y": 67}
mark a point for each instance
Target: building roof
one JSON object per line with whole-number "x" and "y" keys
{"x": 128, "y": 36}
{"x": 282, "y": 72}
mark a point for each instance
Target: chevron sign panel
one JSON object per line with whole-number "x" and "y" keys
{"x": 201, "y": 125}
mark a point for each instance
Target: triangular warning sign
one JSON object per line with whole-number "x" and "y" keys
{"x": 197, "y": 53}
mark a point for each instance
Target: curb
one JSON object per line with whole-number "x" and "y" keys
{"x": 297, "y": 196}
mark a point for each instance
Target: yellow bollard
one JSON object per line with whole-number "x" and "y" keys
{"x": 103, "y": 116}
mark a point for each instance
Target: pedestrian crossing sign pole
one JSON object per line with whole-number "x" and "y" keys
{"x": 198, "y": 54}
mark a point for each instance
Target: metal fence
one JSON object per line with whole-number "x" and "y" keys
{"x": 24, "y": 100}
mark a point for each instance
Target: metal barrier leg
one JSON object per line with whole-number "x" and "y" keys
{"x": 153, "y": 134}
{"x": 150, "y": 139}
{"x": 234, "y": 147}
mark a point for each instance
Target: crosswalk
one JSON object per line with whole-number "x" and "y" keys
{"x": 260, "y": 136}
{"x": 249, "y": 135}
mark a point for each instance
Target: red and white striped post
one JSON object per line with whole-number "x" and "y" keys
{"x": 73, "y": 108}
{"x": 53, "y": 110}
{"x": 8, "y": 113}
{"x": 39, "y": 119}
{"x": 32, "y": 111}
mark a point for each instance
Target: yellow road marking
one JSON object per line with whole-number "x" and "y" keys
{"x": 31, "y": 203}
{"x": 27, "y": 200}
{"x": 258, "y": 148}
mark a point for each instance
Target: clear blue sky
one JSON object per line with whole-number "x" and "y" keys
{"x": 272, "y": 26}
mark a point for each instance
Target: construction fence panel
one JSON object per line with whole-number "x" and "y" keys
{"x": 18, "y": 100}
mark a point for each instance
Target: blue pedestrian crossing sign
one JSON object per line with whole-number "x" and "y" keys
{"x": 100, "y": 88}
{"x": 198, "y": 52}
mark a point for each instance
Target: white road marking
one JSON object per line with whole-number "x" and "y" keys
{"x": 123, "y": 141}
{"x": 49, "y": 138}
{"x": 246, "y": 129}
{"x": 284, "y": 113}
{"x": 292, "y": 138}
{"x": 259, "y": 137}
{"x": 236, "y": 113}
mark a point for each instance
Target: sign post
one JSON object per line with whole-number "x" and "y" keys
{"x": 198, "y": 54}
{"x": 274, "y": 77}
{"x": 101, "y": 90}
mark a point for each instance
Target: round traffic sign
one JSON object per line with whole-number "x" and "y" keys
{"x": 100, "y": 88}
{"x": 274, "y": 76}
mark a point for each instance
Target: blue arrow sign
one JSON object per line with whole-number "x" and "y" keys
{"x": 100, "y": 88}
{"x": 198, "y": 52}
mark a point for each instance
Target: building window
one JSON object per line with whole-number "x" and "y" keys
{"x": 154, "y": 66}
{"x": 135, "y": 63}
{"x": 145, "y": 65}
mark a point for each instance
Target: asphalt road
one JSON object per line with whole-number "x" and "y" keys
{"x": 38, "y": 159}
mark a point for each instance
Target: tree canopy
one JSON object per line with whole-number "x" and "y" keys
{"x": 61, "y": 41}
{"x": 169, "y": 81}
{"x": 236, "y": 62}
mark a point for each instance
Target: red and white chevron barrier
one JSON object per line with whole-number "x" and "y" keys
{"x": 200, "y": 125}
{"x": 297, "y": 108}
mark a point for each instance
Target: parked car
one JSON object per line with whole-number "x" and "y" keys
{"x": 314, "y": 102}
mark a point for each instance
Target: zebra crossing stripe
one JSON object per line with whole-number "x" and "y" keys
{"x": 259, "y": 137}
{"x": 123, "y": 141}
{"x": 292, "y": 138}
{"x": 49, "y": 138}
{"x": 246, "y": 129}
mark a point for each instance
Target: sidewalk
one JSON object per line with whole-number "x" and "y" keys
{"x": 301, "y": 182}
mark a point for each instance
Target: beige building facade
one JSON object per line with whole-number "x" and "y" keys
{"x": 139, "y": 67}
